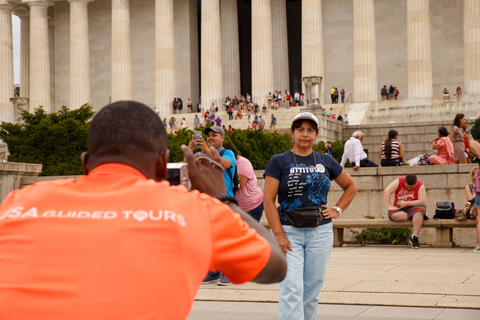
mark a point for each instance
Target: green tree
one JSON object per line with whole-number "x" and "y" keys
{"x": 55, "y": 140}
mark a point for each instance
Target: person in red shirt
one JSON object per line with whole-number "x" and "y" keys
{"x": 121, "y": 242}
{"x": 408, "y": 204}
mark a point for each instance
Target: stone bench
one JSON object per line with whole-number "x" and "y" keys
{"x": 444, "y": 228}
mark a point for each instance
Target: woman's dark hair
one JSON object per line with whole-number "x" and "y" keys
{"x": 443, "y": 131}
{"x": 392, "y": 134}
{"x": 297, "y": 124}
{"x": 456, "y": 121}
{"x": 228, "y": 146}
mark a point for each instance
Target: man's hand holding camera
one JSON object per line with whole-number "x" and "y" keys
{"x": 203, "y": 176}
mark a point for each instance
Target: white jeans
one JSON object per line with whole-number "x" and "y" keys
{"x": 306, "y": 266}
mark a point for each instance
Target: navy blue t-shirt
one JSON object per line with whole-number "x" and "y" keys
{"x": 305, "y": 185}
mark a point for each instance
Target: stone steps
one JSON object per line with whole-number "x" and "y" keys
{"x": 284, "y": 118}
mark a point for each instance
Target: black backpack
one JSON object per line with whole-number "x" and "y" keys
{"x": 476, "y": 129}
{"x": 233, "y": 177}
{"x": 444, "y": 210}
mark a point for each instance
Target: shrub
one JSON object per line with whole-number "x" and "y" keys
{"x": 55, "y": 140}
{"x": 382, "y": 235}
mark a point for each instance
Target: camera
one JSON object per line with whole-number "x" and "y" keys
{"x": 177, "y": 173}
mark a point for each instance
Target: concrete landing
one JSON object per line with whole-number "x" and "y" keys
{"x": 381, "y": 276}
{"x": 268, "y": 311}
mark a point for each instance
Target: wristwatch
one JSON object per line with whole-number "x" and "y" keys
{"x": 339, "y": 210}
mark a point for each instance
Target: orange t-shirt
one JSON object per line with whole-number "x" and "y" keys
{"x": 114, "y": 245}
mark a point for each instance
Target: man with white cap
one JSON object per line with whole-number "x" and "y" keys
{"x": 215, "y": 138}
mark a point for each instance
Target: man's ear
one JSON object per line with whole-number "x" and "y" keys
{"x": 162, "y": 160}
{"x": 85, "y": 165}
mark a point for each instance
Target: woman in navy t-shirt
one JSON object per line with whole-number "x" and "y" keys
{"x": 301, "y": 178}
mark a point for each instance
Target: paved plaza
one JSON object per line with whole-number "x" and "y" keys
{"x": 374, "y": 282}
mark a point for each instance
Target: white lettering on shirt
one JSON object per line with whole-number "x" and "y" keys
{"x": 138, "y": 215}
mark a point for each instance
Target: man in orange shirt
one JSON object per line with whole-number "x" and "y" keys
{"x": 120, "y": 242}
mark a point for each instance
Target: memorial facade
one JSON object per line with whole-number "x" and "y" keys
{"x": 99, "y": 51}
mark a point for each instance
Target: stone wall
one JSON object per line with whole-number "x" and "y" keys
{"x": 415, "y": 137}
{"x": 12, "y": 173}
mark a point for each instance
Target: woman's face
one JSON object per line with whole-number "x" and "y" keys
{"x": 463, "y": 123}
{"x": 305, "y": 135}
{"x": 475, "y": 175}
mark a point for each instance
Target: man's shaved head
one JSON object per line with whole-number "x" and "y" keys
{"x": 126, "y": 132}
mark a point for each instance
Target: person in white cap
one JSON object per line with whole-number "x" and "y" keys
{"x": 302, "y": 225}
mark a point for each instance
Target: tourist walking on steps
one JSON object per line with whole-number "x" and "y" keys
{"x": 342, "y": 94}
{"x": 300, "y": 178}
{"x": 391, "y": 91}
{"x": 384, "y": 93}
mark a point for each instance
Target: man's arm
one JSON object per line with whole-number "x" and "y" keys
{"x": 202, "y": 176}
{"x": 276, "y": 267}
{"x": 386, "y": 194}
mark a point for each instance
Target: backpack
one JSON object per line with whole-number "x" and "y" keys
{"x": 444, "y": 210}
{"x": 476, "y": 129}
{"x": 233, "y": 177}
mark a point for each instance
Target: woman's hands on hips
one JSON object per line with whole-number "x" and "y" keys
{"x": 329, "y": 213}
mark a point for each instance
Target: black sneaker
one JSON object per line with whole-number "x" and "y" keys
{"x": 414, "y": 242}
{"x": 210, "y": 279}
{"x": 224, "y": 281}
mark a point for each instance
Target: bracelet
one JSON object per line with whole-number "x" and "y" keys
{"x": 226, "y": 199}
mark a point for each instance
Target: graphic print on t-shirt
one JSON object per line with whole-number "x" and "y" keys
{"x": 305, "y": 182}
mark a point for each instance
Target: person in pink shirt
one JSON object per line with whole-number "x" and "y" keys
{"x": 444, "y": 147}
{"x": 249, "y": 194}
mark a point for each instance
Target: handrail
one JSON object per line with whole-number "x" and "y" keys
{"x": 346, "y": 101}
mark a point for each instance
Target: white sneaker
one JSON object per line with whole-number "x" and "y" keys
{"x": 477, "y": 248}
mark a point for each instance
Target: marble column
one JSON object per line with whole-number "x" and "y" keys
{"x": 24, "y": 16}
{"x": 51, "y": 50}
{"x": 262, "y": 51}
{"x": 312, "y": 42}
{"x": 419, "y": 50}
{"x": 230, "y": 48}
{"x": 365, "y": 86}
{"x": 40, "y": 85}
{"x": 6, "y": 62}
{"x": 281, "y": 79}
{"x": 164, "y": 57}
{"x": 471, "y": 46}
{"x": 211, "y": 55}
{"x": 121, "y": 54}
{"x": 79, "y": 54}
